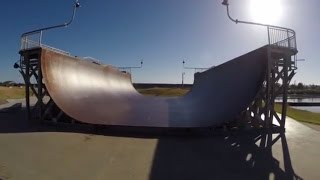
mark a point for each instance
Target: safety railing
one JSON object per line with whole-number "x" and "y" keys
{"x": 282, "y": 37}
{"x": 29, "y": 41}
{"x": 277, "y": 35}
{"x": 34, "y": 41}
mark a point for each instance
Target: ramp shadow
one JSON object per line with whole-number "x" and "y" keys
{"x": 242, "y": 156}
{"x": 196, "y": 155}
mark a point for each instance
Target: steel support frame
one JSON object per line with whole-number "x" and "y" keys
{"x": 262, "y": 113}
{"x": 44, "y": 108}
{"x": 265, "y": 141}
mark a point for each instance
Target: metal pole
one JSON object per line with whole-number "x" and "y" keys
{"x": 254, "y": 23}
{"x": 288, "y": 37}
{"x": 285, "y": 91}
{"x": 182, "y": 83}
{"x": 129, "y": 68}
{"x": 194, "y": 68}
{"x": 226, "y": 3}
{"x": 27, "y": 81}
{"x": 132, "y": 67}
{"x": 268, "y": 28}
{"x": 296, "y": 61}
{"x": 40, "y": 39}
{"x": 66, "y": 24}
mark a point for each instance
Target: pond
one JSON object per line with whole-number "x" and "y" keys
{"x": 304, "y": 99}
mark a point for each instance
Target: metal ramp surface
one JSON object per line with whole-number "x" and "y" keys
{"x": 102, "y": 94}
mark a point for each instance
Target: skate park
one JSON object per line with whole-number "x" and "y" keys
{"x": 85, "y": 119}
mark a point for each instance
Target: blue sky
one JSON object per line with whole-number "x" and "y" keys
{"x": 162, "y": 32}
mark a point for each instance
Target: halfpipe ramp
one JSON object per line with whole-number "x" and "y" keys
{"x": 101, "y": 94}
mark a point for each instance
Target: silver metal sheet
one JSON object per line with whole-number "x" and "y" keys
{"x": 100, "y": 94}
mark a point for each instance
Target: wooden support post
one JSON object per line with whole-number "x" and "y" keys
{"x": 40, "y": 87}
{"x": 269, "y": 82}
{"x": 285, "y": 85}
{"x": 26, "y": 61}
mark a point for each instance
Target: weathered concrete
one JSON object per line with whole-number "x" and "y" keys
{"x": 41, "y": 152}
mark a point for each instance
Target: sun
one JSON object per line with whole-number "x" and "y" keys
{"x": 266, "y": 11}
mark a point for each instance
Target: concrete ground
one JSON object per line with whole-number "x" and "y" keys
{"x": 312, "y": 126}
{"x": 29, "y": 151}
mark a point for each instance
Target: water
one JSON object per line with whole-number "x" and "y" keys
{"x": 315, "y": 109}
{"x": 304, "y": 99}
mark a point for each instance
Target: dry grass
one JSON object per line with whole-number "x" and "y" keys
{"x": 300, "y": 115}
{"x": 164, "y": 91}
{"x": 11, "y": 93}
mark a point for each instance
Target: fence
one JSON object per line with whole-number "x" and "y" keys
{"x": 282, "y": 37}
{"x": 33, "y": 40}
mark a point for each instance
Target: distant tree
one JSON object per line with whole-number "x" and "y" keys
{"x": 8, "y": 83}
{"x": 300, "y": 85}
{"x": 312, "y": 86}
{"x": 293, "y": 86}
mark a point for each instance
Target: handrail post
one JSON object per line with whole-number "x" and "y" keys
{"x": 274, "y": 32}
{"x": 23, "y": 43}
{"x": 268, "y": 28}
{"x": 40, "y": 38}
{"x": 66, "y": 24}
{"x": 295, "y": 40}
{"x": 288, "y": 37}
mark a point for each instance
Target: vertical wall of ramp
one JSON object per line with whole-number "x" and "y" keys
{"x": 101, "y": 94}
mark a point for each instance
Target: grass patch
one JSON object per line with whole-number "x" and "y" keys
{"x": 11, "y": 93}
{"x": 297, "y": 114}
{"x": 164, "y": 91}
{"x": 300, "y": 115}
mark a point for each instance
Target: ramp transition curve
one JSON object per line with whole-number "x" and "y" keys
{"x": 101, "y": 94}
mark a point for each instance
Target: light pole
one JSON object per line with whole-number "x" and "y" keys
{"x": 277, "y": 32}
{"x": 194, "y": 68}
{"x": 226, "y": 3}
{"x": 128, "y": 68}
{"x": 24, "y": 36}
{"x": 182, "y": 83}
{"x": 296, "y": 61}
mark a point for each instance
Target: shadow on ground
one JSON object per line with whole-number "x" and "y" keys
{"x": 193, "y": 154}
{"x": 238, "y": 156}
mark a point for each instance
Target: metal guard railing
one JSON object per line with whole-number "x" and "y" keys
{"x": 277, "y": 35}
{"x": 282, "y": 37}
{"x": 285, "y": 38}
{"x": 33, "y": 39}
{"x": 29, "y": 44}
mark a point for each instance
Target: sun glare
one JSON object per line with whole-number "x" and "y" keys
{"x": 266, "y": 11}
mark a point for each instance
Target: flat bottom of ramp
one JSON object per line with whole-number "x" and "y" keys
{"x": 34, "y": 153}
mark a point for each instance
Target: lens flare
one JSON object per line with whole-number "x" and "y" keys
{"x": 266, "y": 11}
